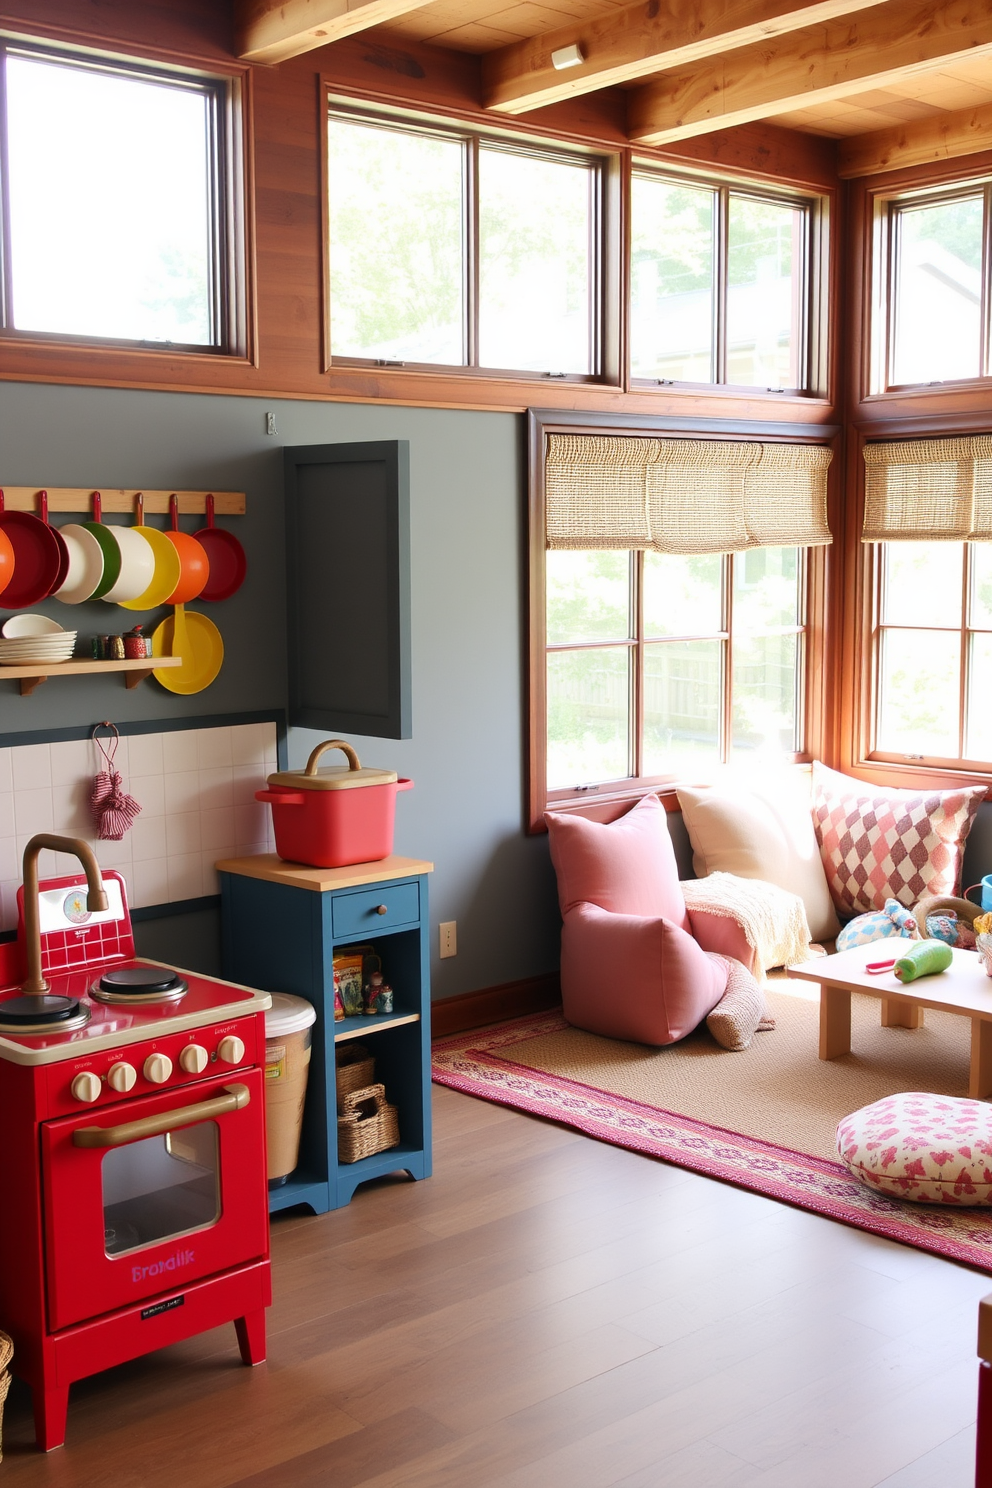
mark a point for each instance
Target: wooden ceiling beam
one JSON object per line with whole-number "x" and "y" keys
{"x": 873, "y": 49}
{"x": 633, "y": 43}
{"x": 942, "y": 137}
{"x": 273, "y": 30}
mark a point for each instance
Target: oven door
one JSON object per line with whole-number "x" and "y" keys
{"x": 147, "y": 1195}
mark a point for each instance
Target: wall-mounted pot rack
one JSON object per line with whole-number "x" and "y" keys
{"x": 80, "y": 499}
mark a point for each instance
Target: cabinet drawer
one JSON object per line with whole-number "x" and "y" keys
{"x": 360, "y": 914}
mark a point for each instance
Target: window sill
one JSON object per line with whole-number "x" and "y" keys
{"x": 922, "y": 775}
{"x": 613, "y": 799}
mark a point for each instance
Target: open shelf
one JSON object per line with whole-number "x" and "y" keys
{"x": 351, "y": 1028}
{"x": 34, "y": 673}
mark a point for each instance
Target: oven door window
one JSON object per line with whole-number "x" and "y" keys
{"x": 160, "y": 1188}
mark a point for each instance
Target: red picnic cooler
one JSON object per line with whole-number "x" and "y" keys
{"x": 336, "y": 816}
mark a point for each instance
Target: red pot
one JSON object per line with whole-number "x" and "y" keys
{"x": 334, "y": 817}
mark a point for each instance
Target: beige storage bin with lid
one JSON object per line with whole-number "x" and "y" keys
{"x": 288, "y": 1036}
{"x": 336, "y": 816}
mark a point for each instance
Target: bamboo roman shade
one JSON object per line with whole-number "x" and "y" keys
{"x": 684, "y": 495}
{"x": 929, "y": 490}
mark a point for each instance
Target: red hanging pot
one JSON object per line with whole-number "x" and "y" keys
{"x": 37, "y": 558}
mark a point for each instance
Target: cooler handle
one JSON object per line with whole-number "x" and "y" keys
{"x": 281, "y": 798}
{"x": 235, "y": 1099}
{"x": 404, "y": 785}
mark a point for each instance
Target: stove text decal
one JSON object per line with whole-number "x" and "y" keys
{"x": 159, "y": 1268}
{"x": 159, "y": 1307}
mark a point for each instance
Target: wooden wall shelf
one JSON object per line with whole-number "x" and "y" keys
{"x": 80, "y": 499}
{"x": 33, "y": 674}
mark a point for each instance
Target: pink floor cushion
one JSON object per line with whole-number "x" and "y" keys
{"x": 933, "y": 1149}
{"x": 626, "y": 866}
{"x": 633, "y": 977}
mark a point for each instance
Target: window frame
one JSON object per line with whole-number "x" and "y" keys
{"x": 228, "y": 175}
{"x": 812, "y": 688}
{"x": 604, "y": 241}
{"x": 812, "y": 291}
{"x": 880, "y": 343}
{"x": 964, "y": 632}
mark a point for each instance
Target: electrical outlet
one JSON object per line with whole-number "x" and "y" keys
{"x": 448, "y": 933}
{"x": 270, "y": 424}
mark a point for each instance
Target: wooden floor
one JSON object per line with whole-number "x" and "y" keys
{"x": 551, "y": 1312}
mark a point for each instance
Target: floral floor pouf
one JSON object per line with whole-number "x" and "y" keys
{"x": 933, "y": 1149}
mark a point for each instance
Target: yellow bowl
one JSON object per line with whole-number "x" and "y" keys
{"x": 165, "y": 577}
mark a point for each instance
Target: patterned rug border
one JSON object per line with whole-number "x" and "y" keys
{"x": 472, "y": 1063}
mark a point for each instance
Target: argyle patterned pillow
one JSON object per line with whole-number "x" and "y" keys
{"x": 880, "y": 844}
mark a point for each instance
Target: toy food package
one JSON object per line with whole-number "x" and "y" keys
{"x": 348, "y": 984}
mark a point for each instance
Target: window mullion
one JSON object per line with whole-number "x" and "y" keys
{"x": 6, "y": 285}
{"x": 986, "y": 325}
{"x": 471, "y": 239}
{"x": 727, "y": 679}
{"x": 637, "y": 681}
{"x": 720, "y": 262}
{"x": 965, "y": 649}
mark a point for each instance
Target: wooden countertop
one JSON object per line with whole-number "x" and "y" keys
{"x": 298, "y": 876}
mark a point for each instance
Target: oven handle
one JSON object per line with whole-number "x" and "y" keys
{"x": 236, "y": 1098}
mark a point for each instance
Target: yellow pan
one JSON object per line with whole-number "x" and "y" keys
{"x": 166, "y": 575}
{"x": 198, "y": 641}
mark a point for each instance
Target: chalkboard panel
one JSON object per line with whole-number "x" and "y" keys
{"x": 348, "y": 586}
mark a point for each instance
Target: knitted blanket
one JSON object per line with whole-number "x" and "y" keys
{"x": 773, "y": 920}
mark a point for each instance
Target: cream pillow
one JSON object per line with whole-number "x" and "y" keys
{"x": 763, "y": 831}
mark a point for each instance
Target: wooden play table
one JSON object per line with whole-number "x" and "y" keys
{"x": 963, "y": 988}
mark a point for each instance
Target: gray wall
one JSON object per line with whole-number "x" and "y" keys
{"x": 466, "y": 754}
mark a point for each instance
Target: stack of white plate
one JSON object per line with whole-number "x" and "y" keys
{"x": 29, "y": 639}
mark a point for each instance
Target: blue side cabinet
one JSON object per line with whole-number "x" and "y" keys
{"x": 282, "y": 924}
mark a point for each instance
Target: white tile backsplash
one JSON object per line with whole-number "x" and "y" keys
{"x": 196, "y": 788}
{"x": 31, "y": 766}
{"x": 145, "y": 753}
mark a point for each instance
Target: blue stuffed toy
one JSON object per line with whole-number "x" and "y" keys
{"x": 879, "y": 924}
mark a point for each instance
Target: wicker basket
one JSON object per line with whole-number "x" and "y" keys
{"x": 367, "y": 1124}
{"x": 355, "y": 1070}
{"x": 6, "y": 1354}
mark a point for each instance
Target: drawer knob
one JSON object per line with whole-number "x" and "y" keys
{"x": 382, "y": 909}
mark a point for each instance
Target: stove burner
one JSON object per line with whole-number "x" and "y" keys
{"x": 139, "y": 984}
{"x": 47, "y": 1014}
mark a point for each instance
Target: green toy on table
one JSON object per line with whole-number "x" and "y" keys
{"x": 924, "y": 958}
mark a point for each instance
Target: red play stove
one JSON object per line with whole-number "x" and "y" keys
{"x": 132, "y": 1152}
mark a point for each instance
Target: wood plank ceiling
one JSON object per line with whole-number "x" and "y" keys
{"x": 901, "y": 82}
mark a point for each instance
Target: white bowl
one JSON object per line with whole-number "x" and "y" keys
{"x": 30, "y": 625}
{"x": 85, "y": 569}
{"x": 137, "y": 564}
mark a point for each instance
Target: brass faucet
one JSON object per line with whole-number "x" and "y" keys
{"x": 96, "y": 898}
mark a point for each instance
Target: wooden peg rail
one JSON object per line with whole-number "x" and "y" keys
{"x": 80, "y": 499}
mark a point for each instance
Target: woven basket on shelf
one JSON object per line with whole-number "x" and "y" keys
{"x": 355, "y": 1069}
{"x": 6, "y": 1354}
{"x": 367, "y": 1124}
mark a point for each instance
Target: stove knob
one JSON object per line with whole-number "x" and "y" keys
{"x": 158, "y": 1068}
{"x": 121, "y": 1077}
{"x": 86, "y": 1087}
{"x": 231, "y": 1050}
{"x": 194, "y": 1059}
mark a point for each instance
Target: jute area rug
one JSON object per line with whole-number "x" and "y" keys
{"x": 764, "y": 1118}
